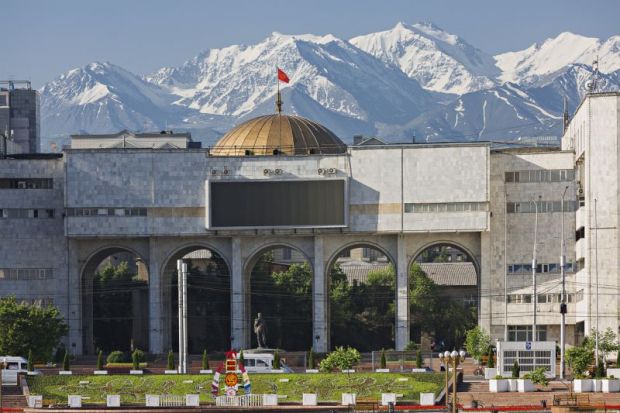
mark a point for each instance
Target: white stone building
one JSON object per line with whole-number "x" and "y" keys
{"x": 284, "y": 181}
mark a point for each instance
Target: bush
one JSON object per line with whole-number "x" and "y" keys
{"x": 135, "y": 359}
{"x": 600, "y": 369}
{"x": 341, "y": 358}
{"x": 538, "y": 377}
{"x": 170, "y": 360}
{"x": 240, "y": 358}
{"x": 419, "y": 363}
{"x": 205, "y": 360}
{"x": 140, "y": 354}
{"x": 490, "y": 360}
{"x": 310, "y": 359}
{"x": 516, "y": 370}
{"x": 116, "y": 357}
{"x": 65, "y": 362}
{"x": 411, "y": 346}
{"x": 578, "y": 359}
{"x": 499, "y": 377}
{"x": 383, "y": 359}
{"x": 477, "y": 342}
{"x": 30, "y": 368}
{"x": 276, "y": 360}
{"x": 100, "y": 360}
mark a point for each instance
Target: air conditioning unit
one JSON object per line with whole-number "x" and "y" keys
{"x": 332, "y": 171}
{"x": 278, "y": 171}
{"x": 266, "y": 171}
{"x": 213, "y": 171}
{"x": 321, "y": 171}
{"x": 225, "y": 172}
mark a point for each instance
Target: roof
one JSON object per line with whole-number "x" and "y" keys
{"x": 129, "y": 140}
{"x": 278, "y": 134}
{"x": 460, "y": 274}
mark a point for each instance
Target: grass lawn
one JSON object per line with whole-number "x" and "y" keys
{"x": 327, "y": 386}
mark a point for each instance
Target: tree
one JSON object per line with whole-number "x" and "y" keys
{"x": 600, "y": 369}
{"x": 538, "y": 377}
{"x": 240, "y": 358}
{"x": 341, "y": 358}
{"x": 205, "y": 360}
{"x": 516, "y": 370}
{"x": 100, "y": 360}
{"x": 276, "y": 360}
{"x": 607, "y": 342}
{"x": 135, "y": 360}
{"x": 419, "y": 363}
{"x": 490, "y": 360}
{"x": 65, "y": 362}
{"x": 579, "y": 359}
{"x": 27, "y": 327}
{"x": 310, "y": 359}
{"x": 477, "y": 342}
{"x": 30, "y": 366}
{"x": 170, "y": 360}
{"x": 383, "y": 359}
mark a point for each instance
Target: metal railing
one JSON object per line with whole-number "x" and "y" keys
{"x": 171, "y": 400}
{"x": 246, "y": 400}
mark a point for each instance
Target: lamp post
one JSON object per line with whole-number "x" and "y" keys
{"x": 534, "y": 296}
{"x": 445, "y": 364}
{"x": 563, "y": 308}
{"x": 456, "y": 357}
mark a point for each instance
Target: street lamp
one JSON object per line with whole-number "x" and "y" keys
{"x": 563, "y": 308}
{"x": 456, "y": 357}
{"x": 534, "y": 297}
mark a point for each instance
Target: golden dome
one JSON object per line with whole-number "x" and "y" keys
{"x": 278, "y": 135}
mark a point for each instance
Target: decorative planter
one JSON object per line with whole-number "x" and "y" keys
{"x": 525, "y": 385}
{"x": 498, "y": 385}
{"x": 418, "y": 370}
{"x": 583, "y": 385}
{"x": 171, "y": 372}
{"x": 100, "y": 372}
{"x": 610, "y": 385}
{"x": 65, "y": 372}
{"x": 312, "y": 370}
{"x": 209, "y": 371}
{"x": 137, "y": 372}
{"x": 597, "y": 385}
{"x": 387, "y": 398}
{"x": 427, "y": 399}
{"x": 513, "y": 385}
{"x": 192, "y": 400}
{"x": 490, "y": 372}
{"x": 309, "y": 399}
{"x": 348, "y": 399}
{"x": 113, "y": 400}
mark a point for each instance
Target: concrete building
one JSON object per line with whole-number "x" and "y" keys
{"x": 19, "y": 117}
{"x": 314, "y": 195}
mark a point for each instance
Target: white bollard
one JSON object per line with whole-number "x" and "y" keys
{"x": 75, "y": 401}
{"x": 309, "y": 399}
{"x": 152, "y": 400}
{"x": 113, "y": 400}
{"x": 192, "y": 400}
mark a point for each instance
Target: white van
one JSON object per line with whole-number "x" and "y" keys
{"x": 262, "y": 363}
{"x": 11, "y": 367}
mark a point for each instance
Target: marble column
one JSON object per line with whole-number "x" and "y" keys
{"x": 240, "y": 323}
{"x": 320, "y": 300}
{"x": 402, "y": 295}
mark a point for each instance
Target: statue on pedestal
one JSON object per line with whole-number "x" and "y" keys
{"x": 260, "y": 329}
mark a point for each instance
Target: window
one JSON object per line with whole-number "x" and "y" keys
{"x": 542, "y": 206}
{"x": 540, "y": 175}
{"x": 26, "y": 183}
{"x": 580, "y": 233}
{"x": 524, "y": 333}
{"x": 446, "y": 207}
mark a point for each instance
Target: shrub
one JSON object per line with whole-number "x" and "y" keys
{"x": 241, "y": 359}
{"x": 538, "y": 377}
{"x": 516, "y": 370}
{"x": 276, "y": 360}
{"x": 140, "y": 354}
{"x": 30, "y": 368}
{"x": 135, "y": 359}
{"x": 499, "y": 377}
{"x": 477, "y": 342}
{"x": 205, "y": 360}
{"x": 100, "y": 360}
{"x": 341, "y": 358}
{"x": 578, "y": 359}
{"x": 419, "y": 363}
{"x": 65, "y": 362}
{"x": 116, "y": 357}
{"x": 490, "y": 360}
{"x": 383, "y": 359}
{"x": 170, "y": 360}
{"x": 310, "y": 359}
{"x": 600, "y": 369}
{"x": 411, "y": 346}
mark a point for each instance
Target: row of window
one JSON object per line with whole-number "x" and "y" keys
{"x": 26, "y": 274}
{"x": 545, "y": 298}
{"x": 540, "y": 268}
{"x": 542, "y": 206}
{"x": 105, "y": 212}
{"x": 546, "y": 175}
{"x": 26, "y": 183}
{"x": 524, "y": 333}
{"x": 8, "y": 213}
{"x": 447, "y": 207}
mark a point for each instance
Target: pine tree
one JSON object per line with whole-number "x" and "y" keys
{"x": 30, "y": 366}
{"x": 100, "y": 360}
{"x": 170, "y": 360}
{"x": 241, "y": 359}
{"x": 276, "y": 360}
{"x": 65, "y": 362}
{"x": 383, "y": 359}
{"x": 419, "y": 363}
{"x": 205, "y": 360}
{"x": 135, "y": 360}
{"x": 311, "y": 359}
{"x": 516, "y": 370}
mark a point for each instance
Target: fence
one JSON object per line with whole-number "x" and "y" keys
{"x": 404, "y": 360}
{"x": 246, "y": 400}
{"x": 171, "y": 400}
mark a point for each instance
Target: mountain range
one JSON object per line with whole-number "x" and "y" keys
{"x": 412, "y": 81}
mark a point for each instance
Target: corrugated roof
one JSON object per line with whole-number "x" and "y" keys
{"x": 451, "y": 273}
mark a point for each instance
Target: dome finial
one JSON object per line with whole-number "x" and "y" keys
{"x": 279, "y": 101}
{"x": 282, "y": 77}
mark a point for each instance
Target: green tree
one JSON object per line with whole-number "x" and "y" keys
{"x": 516, "y": 370}
{"x": 276, "y": 360}
{"x": 66, "y": 365}
{"x": 477, "y": 342}
{"x": 28, "y": 327}
{"x": 240, "y": 357}
{"x": 538, "y": 377}
{"x": 579, "y": 358}
{"x": 30, "y": 363}
{"x": 600, "y": 369}
{"x": 419, "y": 363}
{"x": 135, "y": 360}
{"x": 383, "y": 359}
{"x": 607, "y": 342}
{"x": 490, "y": 359}
{"x": 341, "y": 358}
{"x": 170, "y": 360}
{"x": 310, "y": 359}
{"x": 205, "y": 360}
{"x": 100, "y": 360}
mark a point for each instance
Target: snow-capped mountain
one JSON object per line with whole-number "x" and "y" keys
{"x": 412, "y": 79}
{"x": 440, "y": 61}
{"x": 538, "y": 64}
{"x": 341, "y": 78}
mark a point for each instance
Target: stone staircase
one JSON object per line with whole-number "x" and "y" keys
{"x": 12, "y": 398}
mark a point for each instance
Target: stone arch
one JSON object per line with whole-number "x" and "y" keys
{"x": 209, "y": 292}
{"x": 261, "y": 293}
{"x": 461, "y": 291}
{"x": 139, "y": 315}
{"x": 378, "y": 339}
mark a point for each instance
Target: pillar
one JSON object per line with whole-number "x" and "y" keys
{"x": 74, "y": 296}
{"x": 320, "y": 300}
{"x": 157, "y": 335}
{"x": 240, "y": 323}
{"x": 402, "y": 295}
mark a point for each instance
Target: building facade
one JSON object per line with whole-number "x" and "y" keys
{"x": 19, "y": 117}
{"x": 320, "y": 198}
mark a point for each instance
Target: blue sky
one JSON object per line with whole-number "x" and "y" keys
{"x": 41, "y": 39}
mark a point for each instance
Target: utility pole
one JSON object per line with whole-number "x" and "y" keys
{"x": 596, "y": 280}
{"x": 505, "y": 264}
{"x": 563, "y": 303}
{"x": 182, "y": 297}
{"x": 534, "y": 297}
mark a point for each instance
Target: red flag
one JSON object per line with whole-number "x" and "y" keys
{"x": 282, "y": 76}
